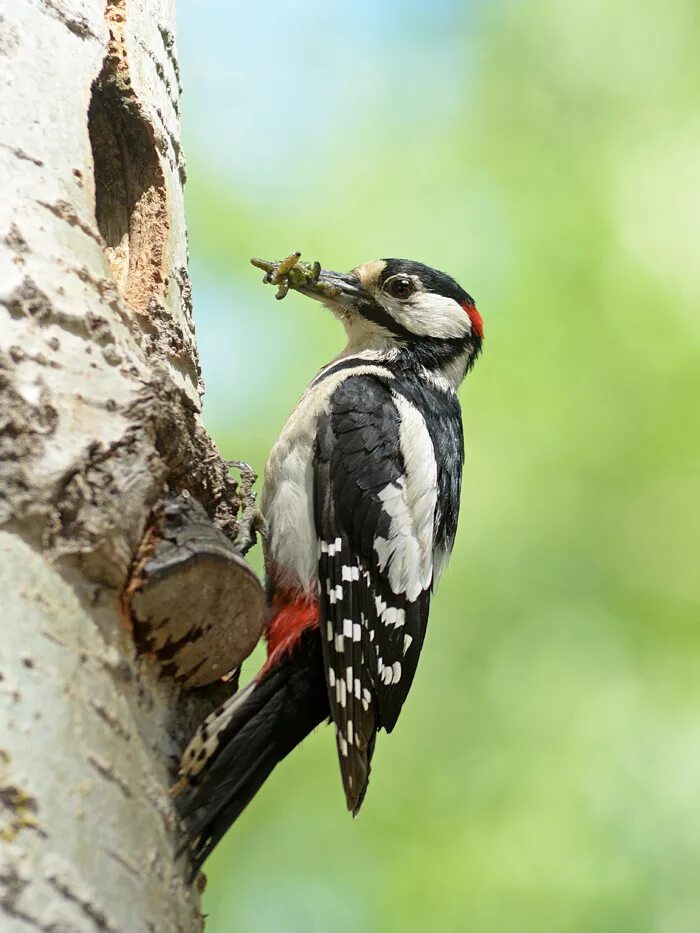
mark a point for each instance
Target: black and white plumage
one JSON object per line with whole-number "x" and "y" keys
{"x": 361, "y": 496}
{"x": 375, "y": 488}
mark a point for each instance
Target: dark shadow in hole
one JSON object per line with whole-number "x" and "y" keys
{"x": 130, "y": 195}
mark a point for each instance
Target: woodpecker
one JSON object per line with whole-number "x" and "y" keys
{"x": 361, "y": 497}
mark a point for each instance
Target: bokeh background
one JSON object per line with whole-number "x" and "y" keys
{"x": 545, "y": 773}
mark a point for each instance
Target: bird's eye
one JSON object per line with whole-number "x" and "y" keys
{"x": 400, "y": 287}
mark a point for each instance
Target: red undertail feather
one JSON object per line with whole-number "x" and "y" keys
{"x": 293, "y": 613}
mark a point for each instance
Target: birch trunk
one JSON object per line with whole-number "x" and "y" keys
{"x": 99, "y": 423}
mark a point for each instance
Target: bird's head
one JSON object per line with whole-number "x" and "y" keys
{"x": 396, "y": 308}
{"x": 405, "y": 304}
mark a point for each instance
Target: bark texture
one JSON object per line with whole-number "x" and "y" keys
{"x": 99, "y": 431}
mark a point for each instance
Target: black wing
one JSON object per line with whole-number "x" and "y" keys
{"x": 371, "y": 634}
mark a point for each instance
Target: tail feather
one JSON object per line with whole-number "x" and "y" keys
{"x": 208, "y": 830}
{"x": 267, "y": 720}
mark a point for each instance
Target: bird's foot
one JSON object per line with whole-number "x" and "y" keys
{"x": 179, "y": 786}
{"x": 251, "y": 521}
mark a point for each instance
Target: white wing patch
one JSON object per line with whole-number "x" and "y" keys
{"x": 406, "y": 556}
{"x": 287, "y": 495}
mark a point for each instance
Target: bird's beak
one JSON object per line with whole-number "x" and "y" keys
{"x": 340, "y": 291}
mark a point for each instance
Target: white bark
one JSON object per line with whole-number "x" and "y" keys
{"x": 99, "y": 392}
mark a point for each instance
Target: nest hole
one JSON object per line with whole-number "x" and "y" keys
{"x": 130, "y": 193}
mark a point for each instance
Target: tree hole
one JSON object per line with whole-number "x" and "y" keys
{"x": 130, "y": 194}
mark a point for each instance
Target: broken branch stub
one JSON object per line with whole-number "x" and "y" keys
{"x": 196, "y": 605}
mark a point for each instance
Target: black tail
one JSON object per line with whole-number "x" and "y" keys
{"x": 275, "y": 714}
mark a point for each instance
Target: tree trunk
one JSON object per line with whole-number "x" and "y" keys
{"x": 102, "y": 457}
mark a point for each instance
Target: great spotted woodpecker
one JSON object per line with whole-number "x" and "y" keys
{"x": 361, "y": 496}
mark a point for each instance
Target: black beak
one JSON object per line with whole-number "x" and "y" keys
{"x": 338, "y": 290}
{"x": 335, "y": 288}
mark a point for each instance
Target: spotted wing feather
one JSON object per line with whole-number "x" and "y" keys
{"x": 372, "y": 635}
{"x": 343, "y": 639}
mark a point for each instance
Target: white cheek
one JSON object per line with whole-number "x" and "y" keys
{"x": 431, "y": 315}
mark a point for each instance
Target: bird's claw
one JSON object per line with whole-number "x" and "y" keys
{"x": 251, "y": 520}
{"x": 179, "y": 786}
{"x": 289, "y": 273}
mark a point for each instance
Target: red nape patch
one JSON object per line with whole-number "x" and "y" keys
{"x": 475, "y": 318}
{"x": 293, "y": 614}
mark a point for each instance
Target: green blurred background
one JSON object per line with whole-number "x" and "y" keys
{"x": 545, "y": 773}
